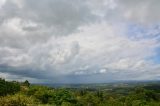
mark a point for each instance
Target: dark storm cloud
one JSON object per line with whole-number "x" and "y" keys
{"x": 23, "y": 72}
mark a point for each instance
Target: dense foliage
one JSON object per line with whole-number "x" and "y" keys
{"x": 8, "y": 87}
{"x": 24, "y": 94}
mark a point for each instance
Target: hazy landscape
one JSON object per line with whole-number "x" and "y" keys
{"x": 144, "y": 93}
{"x": 79, "y": 52}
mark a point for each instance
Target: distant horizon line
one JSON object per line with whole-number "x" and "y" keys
{"x": 110, "y": 82}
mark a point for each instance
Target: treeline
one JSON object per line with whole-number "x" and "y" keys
{"x": 11, "y": 87}
{"x": 8, "y": 87}
{"x": 34, "y": 95}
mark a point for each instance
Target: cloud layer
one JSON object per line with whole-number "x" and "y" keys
{"x": 60, "y": 41}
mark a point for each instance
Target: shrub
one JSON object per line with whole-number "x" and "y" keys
{"x": 17, "y": 100}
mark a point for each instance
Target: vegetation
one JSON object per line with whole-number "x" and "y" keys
{"x": 25, "y": 94}
{"x": 8, "y": 87}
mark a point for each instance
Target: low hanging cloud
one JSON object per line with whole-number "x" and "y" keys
{"x": 79, "y": 41}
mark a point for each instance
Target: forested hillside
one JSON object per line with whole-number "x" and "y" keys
{"x": 23, "y": 94}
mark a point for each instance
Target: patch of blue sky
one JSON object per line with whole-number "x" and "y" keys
{"x": 156, "y": 57}
{"x": 138, "y": 32}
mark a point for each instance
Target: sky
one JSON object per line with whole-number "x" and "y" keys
{"x": 79, "y": 41}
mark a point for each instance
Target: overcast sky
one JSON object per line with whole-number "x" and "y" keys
{"x": 79, "y": 41}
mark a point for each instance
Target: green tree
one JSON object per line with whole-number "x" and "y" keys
{"x": 26, "y": 83}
